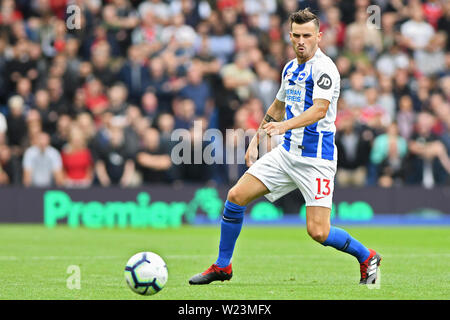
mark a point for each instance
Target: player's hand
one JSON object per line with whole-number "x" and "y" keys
{"x": 275, "y": 128}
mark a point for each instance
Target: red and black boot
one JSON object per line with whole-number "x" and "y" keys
{"x": 213, "y": 273}
{"x": 369, "y": 268}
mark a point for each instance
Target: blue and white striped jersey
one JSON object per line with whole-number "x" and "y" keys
{"x": 318, "y": 78}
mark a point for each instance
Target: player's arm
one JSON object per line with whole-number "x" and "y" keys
{"x": 315, "y": 113}
{"x": 274, "y": 114}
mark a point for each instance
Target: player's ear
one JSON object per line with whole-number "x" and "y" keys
{"x": 319, "y": 36}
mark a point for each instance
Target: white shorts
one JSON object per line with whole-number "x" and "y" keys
{"x": 282, "y": 171}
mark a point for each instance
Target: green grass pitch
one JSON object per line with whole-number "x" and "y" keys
{"x": 269, "y": 263}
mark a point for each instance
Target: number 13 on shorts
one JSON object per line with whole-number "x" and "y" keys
{"x": 323, "y": 188}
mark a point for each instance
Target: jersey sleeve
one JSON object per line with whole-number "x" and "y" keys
{"x": 281, "y": 95}
{"x": 326, "y": 80}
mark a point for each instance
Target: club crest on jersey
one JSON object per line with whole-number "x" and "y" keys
{"x": 301, "y": 76}
{"x": 299, "y": 79}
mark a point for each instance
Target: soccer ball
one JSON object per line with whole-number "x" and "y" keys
{"x": 146, "y": 273}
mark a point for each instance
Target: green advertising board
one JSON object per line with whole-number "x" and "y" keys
{"x": 58, "y": 207}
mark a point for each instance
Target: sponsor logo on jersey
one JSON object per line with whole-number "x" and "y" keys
{"x": 324, "y": 82}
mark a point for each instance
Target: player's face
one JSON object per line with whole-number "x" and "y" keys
{"x": 305, "y": 39}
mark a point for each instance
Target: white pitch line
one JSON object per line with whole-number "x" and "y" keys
{"x": 194, "y": 256}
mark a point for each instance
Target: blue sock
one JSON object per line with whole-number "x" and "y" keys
{"x": 230, "y": 227}
{"x": 341, "y": 240}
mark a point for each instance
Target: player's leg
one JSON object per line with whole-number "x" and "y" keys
{"x": 319, "y": 228}
{"x": 247, "y": 189}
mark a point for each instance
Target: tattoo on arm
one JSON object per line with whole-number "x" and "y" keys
{"x": 269, "y": 118}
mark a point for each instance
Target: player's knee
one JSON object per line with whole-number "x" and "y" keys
{"x": 236, "y": 197}
{"x": 317, "y": 234}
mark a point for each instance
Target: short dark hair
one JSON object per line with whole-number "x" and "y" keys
{"x": 304, "y": 16}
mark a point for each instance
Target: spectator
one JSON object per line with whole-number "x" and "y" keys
{"x": 153, "y": 160}
{"x": 432, "y": 10}
{"x": 16, "y": 124}
{"x": 150, "y": 104}
{"x": 406, "y": 117}
{"x": 220, "y": 43}
{"x": 256, "y": 113}
{"x": 79, "y": 102}
{"x": 132, "y": 138}
{"x": 159, "y": 8}
{"x": 370, "y": 35}
{"x": 261, "y": 10}
{"x": 238, "y": 77}
{"x": 49, "y": 117}
{"x": 184, "y": 112}
{"x": 77, "y": 160}
{"x": 96, "y": 99}
{"x": 192, "y": 171}
{"x": 178, "y": 34}
{"x": 42, "y": 165}
{"x": 166, "y": 124}
{"x": 353, "y": 147}
{"x": 402, "y": 86}
{"x": 101, "y": 63}
{"x": 333, "y": 32}
{"x": 117, "y": 97}
{"x": 428, "y": 156}
{"x": 198, "y": 91}
{"x": 9, "y": 167}
{"x": 431, "y": 60}
{"x": 354, "y": 51}
{"x": 120, "y": 19}
{"x": 392, "y": 60}
{"x": 71, "y": 52}
{"x": 134, "y": 74}
{"x": 3, "y": 128}
{"x": 267, "y": 85}
{"x": 385, "y": 97}
{"x": 388, "y": 154}
{"x": 58, "y": 101}
{"x": 24, "y": 89}
{"x": 21, "y": 64}
{"x": 114, "y": 165}
{"x": 442, "y": 111}
{"x": 148, "y": 33}
{"x": 86, "y": 122}
{"x": 443, "y": 24}
{"x": 416, "y": 32}
{"x": 99, "y": 35}
{"x": 354, "y": 96}
{"x": 34, "y": 127}
{"x": 373, "y": 114}
{"x": 61, "y": 135}
{"x": 389, "y": 34}
{"x": 9, "y": 13}
{"x": 159, "y": 82}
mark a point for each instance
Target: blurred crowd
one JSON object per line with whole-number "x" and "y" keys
{"x": 91, "y": 95}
